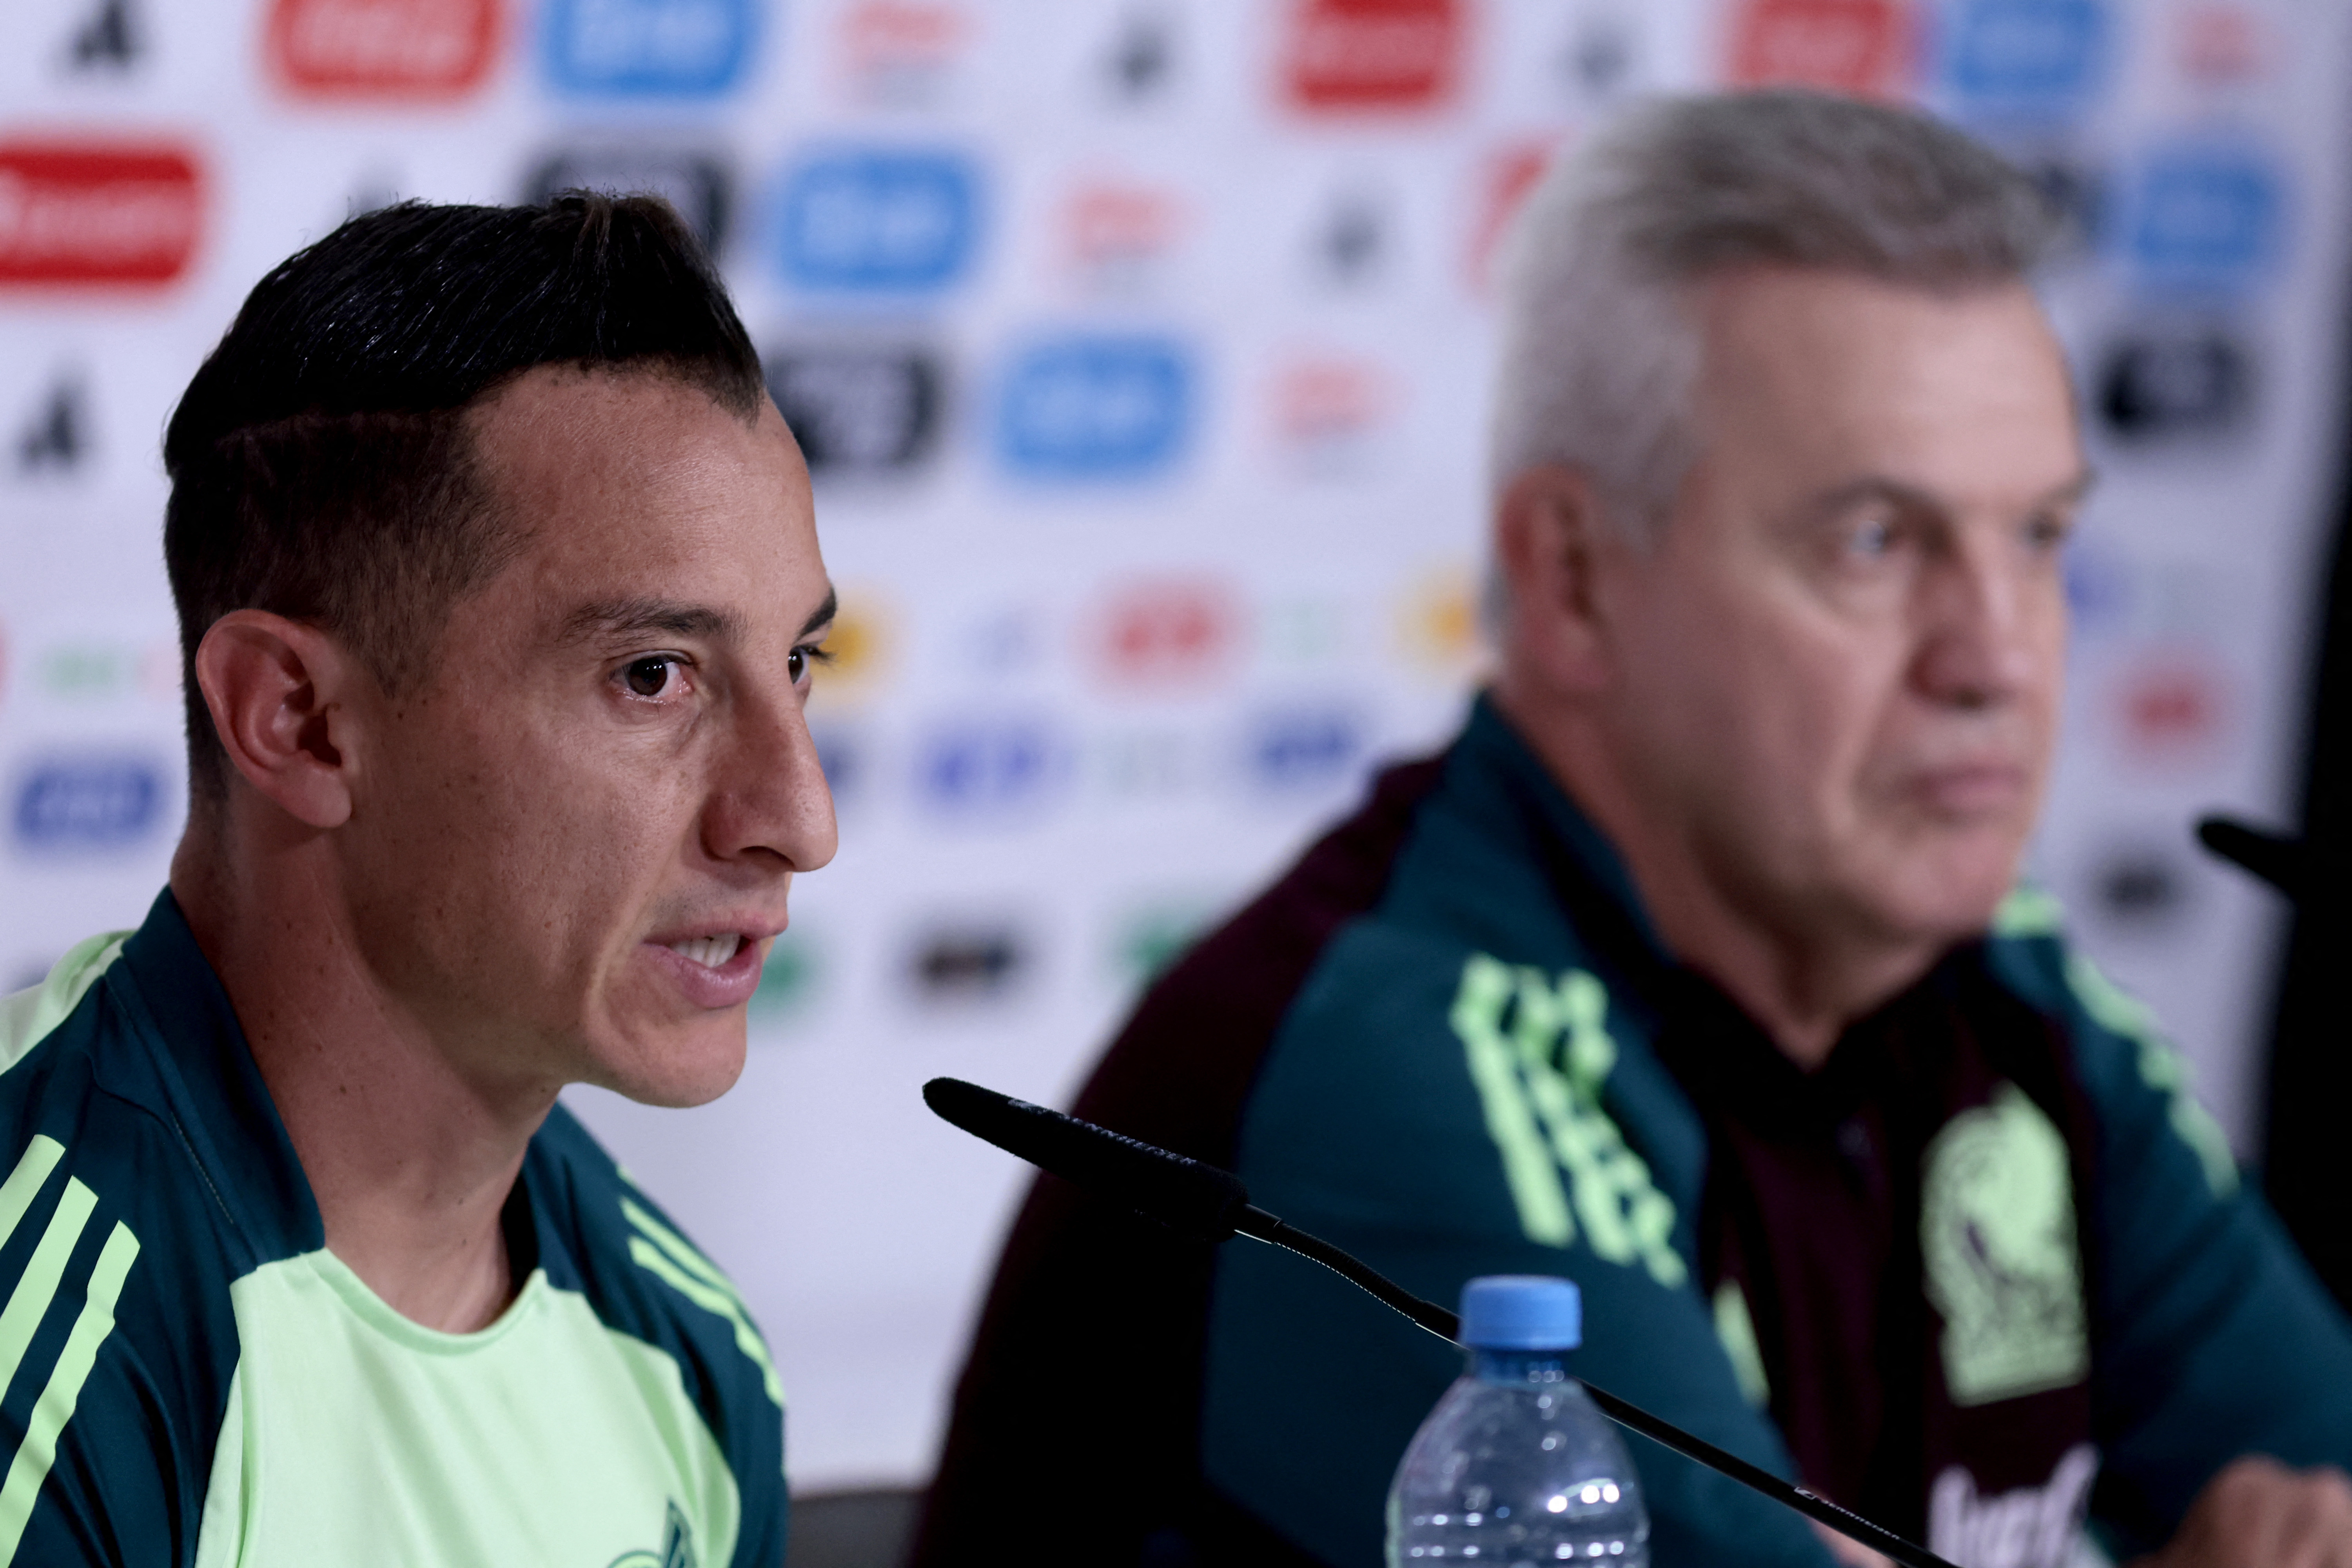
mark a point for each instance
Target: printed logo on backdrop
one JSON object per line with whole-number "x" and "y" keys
{"x": 902, "y": 54}
{"x": 54, "y": 438}
{"x": 2037, "y": 59}
{"x": 1330, "y": 413}
{"x": 2223, "y": 43}
{"x": 1352, "y": 55}
{"x": 1175, "y": 634}
{"x": 651, "y": 48}
{"x": 2171, "y": 709}
{"x": 418, "y": 49}
{"x": 2140, "y": 887}
{"x": 1116, "y": 236}
{"x": 985, "y": 771}
{"x": 862, "y": 644}
{"x": 967, "y": 962}
{"x": 1089, "y": 407}
{"x": 1601, "y": 57}
{"x": 789, "y": 978}
{"x": 2204, "y": 219}
{"x": 2158, "y": 385}
{"x": 1437, "y": 624}
{"x": 87, "y": 803}
{"x": 1349, "y": 245}
{"x": 98, "y": 213}
{"x": 875, "y": 221}
{"x": 1861, "y": 46}
{"x": 1302, "y": 749}
{"x": 699, "y": 184}
{"x": 860, "y": 409}
{"x": 107, "y": 38}
{"x": 1509, "y": 177}
{"x": 1140, "y": 64}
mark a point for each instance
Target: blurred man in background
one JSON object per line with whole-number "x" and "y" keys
{"x": 499, "y": 593}
{"x": 1693, "y": 970}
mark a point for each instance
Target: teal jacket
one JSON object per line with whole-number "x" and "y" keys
{"x": 1413, "y": 1047}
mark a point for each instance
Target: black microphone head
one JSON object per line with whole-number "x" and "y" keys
{"x": 1187, "y": 1197}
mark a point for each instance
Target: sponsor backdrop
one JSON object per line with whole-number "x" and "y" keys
{"x": 1139, "y": 349}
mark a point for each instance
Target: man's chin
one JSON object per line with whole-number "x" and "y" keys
{"x": 676, "y": 1068}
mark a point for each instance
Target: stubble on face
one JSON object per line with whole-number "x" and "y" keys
{"x": 538, "y": 832}
{"x": 1842, "y": 660}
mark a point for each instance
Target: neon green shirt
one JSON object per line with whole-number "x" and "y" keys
{"x": 189, "y": 1377}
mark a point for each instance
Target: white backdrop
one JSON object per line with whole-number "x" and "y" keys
{"x": 1142, "y": 346}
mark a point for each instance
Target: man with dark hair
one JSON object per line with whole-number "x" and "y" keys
{"x": 1694, "y": 969}
{"x": 499, "y": 593}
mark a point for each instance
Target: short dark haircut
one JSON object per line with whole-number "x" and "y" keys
{"x": 320, "y": 462}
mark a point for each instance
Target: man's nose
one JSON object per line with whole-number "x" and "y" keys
{"x": 1982, "y": 643}
{"x": 769, "y": 802}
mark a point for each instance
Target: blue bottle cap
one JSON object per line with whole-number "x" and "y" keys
{"x": 1522, "y": 1313}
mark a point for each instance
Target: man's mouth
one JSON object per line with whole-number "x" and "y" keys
{"x": 710, "y": 952}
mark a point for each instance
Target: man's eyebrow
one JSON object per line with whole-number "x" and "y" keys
{"x": 637, "y": 617}
{"x": 825, "y": 612}
{"x": 1879, "y": 487}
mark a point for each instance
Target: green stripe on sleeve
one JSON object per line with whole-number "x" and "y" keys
{"x": 679, "y": 1250}
{"x": 1488, "y": 987}
{"x": 37, "y": 1285}
{"x": 30, "y": 1467}
{"x": 715, "y": 1301}
{"x": 24, "y": 1183}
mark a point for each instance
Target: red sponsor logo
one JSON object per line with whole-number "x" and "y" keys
{"x": 113, "y": 215}
{"x": 1110, "y": 226}
{"x": 1319, "y": 401}
{"x": 900, "y": 51}
{"x": 2220, "y": 44}
{"x": 382, "y": 48}
{"x": 2173, "y": 709}
{"x": 1349, "y": 55}
{"x": 1861, "y": 46}
{"x": 1510, "y": 176}
{"x": 1168, "y": 632}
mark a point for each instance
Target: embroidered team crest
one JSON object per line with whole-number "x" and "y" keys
{"x": 677, "y": 1547}
{"x": 1997, "y": 1235}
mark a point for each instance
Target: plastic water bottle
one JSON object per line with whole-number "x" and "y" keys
{"x": 1515, "y": 1467}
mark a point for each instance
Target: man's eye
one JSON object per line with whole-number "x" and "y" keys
{"x": 1871, "y": 538}
{"x": 648, "y": 677}
{"x": 2046, "y": 533}
{"x": 805, "y": 658}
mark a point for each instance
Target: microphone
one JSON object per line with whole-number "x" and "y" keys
{"x": 1205, "y": 1204}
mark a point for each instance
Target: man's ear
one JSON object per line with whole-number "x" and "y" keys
{"x": 1549, "y": 541}
{"x": 279, "y": 692}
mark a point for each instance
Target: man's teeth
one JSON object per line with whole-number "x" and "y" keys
{"x": 710, "y": 952}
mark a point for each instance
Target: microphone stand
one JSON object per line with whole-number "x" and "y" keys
{"x": 1210, "y": 1204}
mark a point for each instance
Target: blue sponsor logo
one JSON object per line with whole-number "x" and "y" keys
{"x": 1303, "y": 748}
{"x": 2027, "y": 56}
{"x": 666, "y": 49}
{"x": 879, "y": 222}
{"x": 87, "y": 803}
{"x": 990, "y": 769}
{"x": 2203, "y": 218}
{"x": 1096, "y": 408}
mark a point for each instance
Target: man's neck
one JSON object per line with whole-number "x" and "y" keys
{"x": 410, "y": 1163}
{"x": 1802, "y": 988}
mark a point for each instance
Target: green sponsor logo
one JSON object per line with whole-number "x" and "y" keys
{"x": 1151, "y": 939}
{"x": 787, "y": 979}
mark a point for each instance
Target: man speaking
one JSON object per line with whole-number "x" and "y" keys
{"x": 1693, "y": 969}
{"x": 498, "y": 594}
